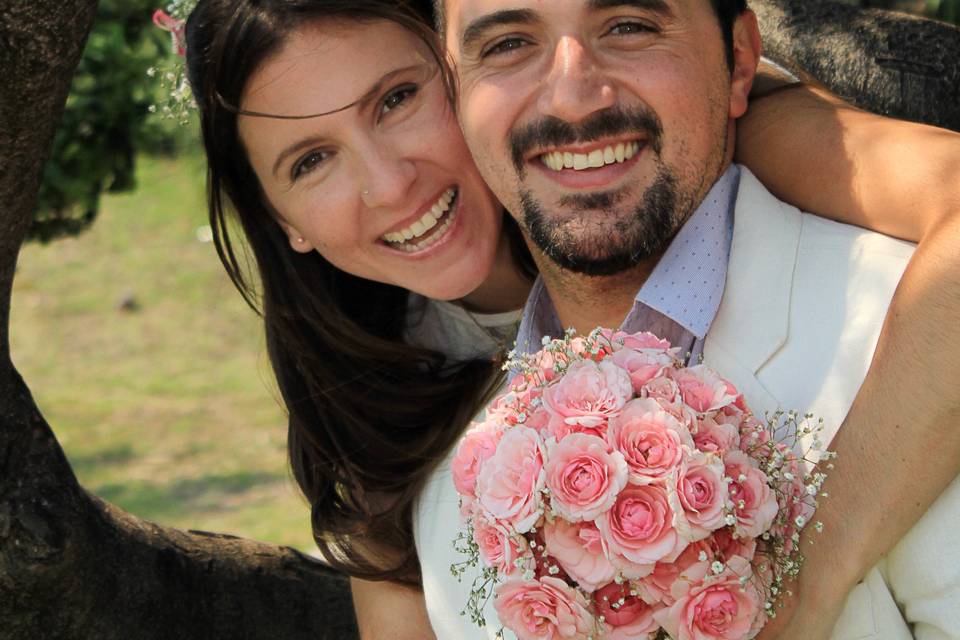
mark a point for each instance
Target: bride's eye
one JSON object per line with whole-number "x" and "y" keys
{"x": 397, "y": 98}
{"x": 307, "y": 163}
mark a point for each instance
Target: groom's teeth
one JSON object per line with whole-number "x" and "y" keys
{"x": 428, "y": 221}
{"x": 621, "y": 152}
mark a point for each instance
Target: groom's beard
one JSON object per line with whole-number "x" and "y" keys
{"x": 588, "y": 237}
{"x": 611, "y": 248}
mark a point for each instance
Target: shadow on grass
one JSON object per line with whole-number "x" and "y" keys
{"x": 82, "y": 464}
{"x": 208, "y": 494}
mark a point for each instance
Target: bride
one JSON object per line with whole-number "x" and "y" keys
{"x": 389, "y": 279}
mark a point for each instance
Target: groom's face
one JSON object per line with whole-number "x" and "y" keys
{"x": 600, "y": 124}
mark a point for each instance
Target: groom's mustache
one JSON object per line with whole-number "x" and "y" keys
{"x": 554, "y": 132}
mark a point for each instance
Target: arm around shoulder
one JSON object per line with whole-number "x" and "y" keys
{"x": 390, "y": 611}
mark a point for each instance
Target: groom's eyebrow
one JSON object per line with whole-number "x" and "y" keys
{"x": 656, "y": 6}
{"x": 476, "y": 29}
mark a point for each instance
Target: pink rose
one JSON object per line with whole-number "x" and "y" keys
{"x": 703, "y": 389}
{"x": 545, "y": 608}
{"x": 723, "y": 543}
{"x": 500, "y": 548}
{"x": 702, "y": 496}
{"x": 580, "y": 551}
{"x": 641, "y": 340}
{"x": 587, "y": 395}
{"x": 477, "y": 446}
{"x": 754, "y": 504}
{"x": 638, "y": 530}
{"x": 715, "y": 436}
{"x": 625, "y": 616}
{"x": 661, "y": 388}
{"x": 650, "y": 439}
{"x": 712, "y": 607}
{"x": 657, "y": 587}
{"x": 642, "y": 366}
{"x": 583, "y": 476}
{"x": 510, "y": 483}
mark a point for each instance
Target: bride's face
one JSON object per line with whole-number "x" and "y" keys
{"x": 384, "y": 189}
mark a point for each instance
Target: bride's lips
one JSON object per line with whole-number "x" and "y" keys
{"x": 422, "y": 233}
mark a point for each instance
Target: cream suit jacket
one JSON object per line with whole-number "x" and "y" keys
{"x": 804, "y": 302}
{"x": 803, "y": 305}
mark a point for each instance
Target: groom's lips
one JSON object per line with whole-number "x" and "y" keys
{"x": 605, "y": 177}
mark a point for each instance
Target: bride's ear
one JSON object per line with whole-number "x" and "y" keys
{"x": 297, "y": 242}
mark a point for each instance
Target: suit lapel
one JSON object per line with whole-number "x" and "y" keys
{"x": 753, "y": 320}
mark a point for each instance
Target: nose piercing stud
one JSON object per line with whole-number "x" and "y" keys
{"x": 366, "y": 192}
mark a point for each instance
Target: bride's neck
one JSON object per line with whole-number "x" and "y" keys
{"x": 505, "y": 289}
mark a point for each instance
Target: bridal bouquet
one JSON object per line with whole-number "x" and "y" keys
{"x": 612, "y": 492}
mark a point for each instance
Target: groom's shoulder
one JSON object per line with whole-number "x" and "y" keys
{"x": 820, "y": 237}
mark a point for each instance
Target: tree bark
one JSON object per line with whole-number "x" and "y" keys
{"x": 71, "y": 565}
{"x": 882, "y": 61}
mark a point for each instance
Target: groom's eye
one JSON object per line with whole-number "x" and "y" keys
{"x": 629, "y": 28}
{"x": 504, "y": 46}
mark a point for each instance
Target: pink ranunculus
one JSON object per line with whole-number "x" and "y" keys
{"x": 545, "y": 609}
{"x": 716, "y": 436}
{"x": 500, "y": 548}
{"x": 642, "y": 365}
{"x": 479, "y": 443}
{"x": 580, "y": 551}
{"x": 702, "y": 495}
{"x": 586, "y": 397}
{"x": 510, "y": 483}
{"x": 625, "y": 615}
{"x": 712, "y": 607}
{"x": 650, "y": 439}
{"x": 639, "y": 531}
{"x": 754, "y": 503}
{"x": 584, "y": 476}
{"x": 702, "y": 389}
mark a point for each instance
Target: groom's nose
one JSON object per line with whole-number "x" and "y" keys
{"x": 575, "y": 87}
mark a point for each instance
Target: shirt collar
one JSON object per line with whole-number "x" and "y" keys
{"x": 687, "y": 283}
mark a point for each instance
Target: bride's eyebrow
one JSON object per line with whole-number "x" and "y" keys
{"x": 370, "y": 95}
{"x": 363, "y": 100}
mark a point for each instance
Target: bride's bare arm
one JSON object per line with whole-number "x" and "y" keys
{"x": 900, "y": 444}
{"x": 390, "y": 611}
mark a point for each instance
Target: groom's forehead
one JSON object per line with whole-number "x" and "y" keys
{"x": 456, "y": 14}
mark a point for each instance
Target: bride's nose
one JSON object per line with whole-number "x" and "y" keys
{"x": 386, "y": 177}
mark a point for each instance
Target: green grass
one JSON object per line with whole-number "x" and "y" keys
{"x": 168, "y": 410}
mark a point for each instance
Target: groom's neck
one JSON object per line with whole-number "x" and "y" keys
{"x": 586, "y": 302}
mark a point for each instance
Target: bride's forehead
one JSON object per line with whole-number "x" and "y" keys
{"x": 330, "y": 64}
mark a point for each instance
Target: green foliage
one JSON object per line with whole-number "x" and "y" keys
{"x": 105, "y": 122}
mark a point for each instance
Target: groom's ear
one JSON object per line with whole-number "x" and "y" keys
{"x": 747, "y": 49}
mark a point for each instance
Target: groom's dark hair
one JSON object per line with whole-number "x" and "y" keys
{"x": 727, "y": 12}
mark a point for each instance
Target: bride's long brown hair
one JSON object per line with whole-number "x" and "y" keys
{"x": 369, "y": 415}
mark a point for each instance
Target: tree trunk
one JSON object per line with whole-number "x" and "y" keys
{"x": 883, "y": 61}
{"x": 72, "y": 566}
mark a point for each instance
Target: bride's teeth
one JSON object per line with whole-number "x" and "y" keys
{"x": 621, "y": 152}
{"x": 401, "y": 239}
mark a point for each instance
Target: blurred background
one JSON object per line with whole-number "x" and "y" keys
{"x": 144, "y": 359}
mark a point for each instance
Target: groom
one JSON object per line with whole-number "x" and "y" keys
{"x": 606, "y": 127}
